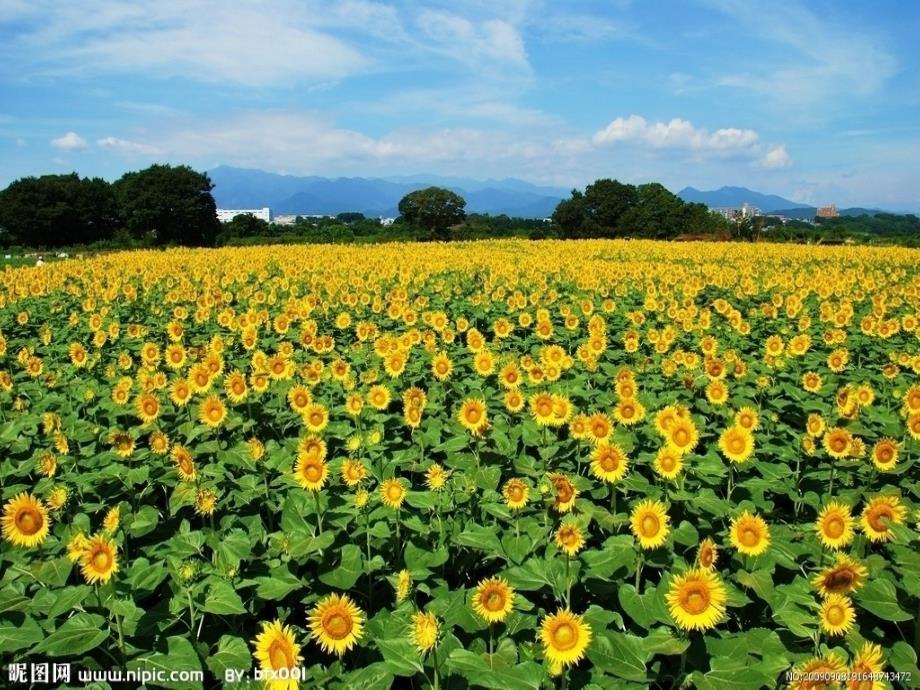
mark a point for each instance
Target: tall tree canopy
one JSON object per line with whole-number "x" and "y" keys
{"x": 56, "y": 211}
{"x": 168, "y": 205}
{"x": 433, "y": 209}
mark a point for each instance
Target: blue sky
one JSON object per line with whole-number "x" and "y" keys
{"x": 817, "y": 101}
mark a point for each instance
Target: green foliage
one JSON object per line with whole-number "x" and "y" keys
{"x": 433, "y": 209}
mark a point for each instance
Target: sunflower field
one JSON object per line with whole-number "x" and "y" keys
{"x": 503, "y": 464}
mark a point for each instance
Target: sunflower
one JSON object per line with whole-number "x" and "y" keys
{"x": 212, "y": 411}
{"x": 683, "y": 435}
{"x": 299, "y": 398}
{"x": 565, "y": 637}
{"x": 493, "y": 599}
{"x": 815, "y": 674}
{"x": 707, "y": 555}
{"x": 57, "y": 498}
{"x": 629, "y": 411}
{"x": 838, "y": 442}
{"x": 403, "y": 585}
{"x": 315, "y": 417}
{"x": 441, "y": 366}
{"x": 815, "y": 425}
{"x": 393, "y": 493}
{"x": 541, "y": 409}
{"x": 76, "y": 546}
{"x": 868, "y": 661}
{"x": 474, "y": 416}
{"x": 696, "y": 599}
{"x": 311, "y": 471}
{"x": 147, "y": 407}
{"x": 353, "y": 472}
{"x": 159, "y": 443}
{"x": 837, "y": 615}
{"x": 180, "y": 392}
{"x": 835, "y": 525}
{"x": 885, "y": 454}
{"x": 379, "y": 397}
{"x": 717, "y": 392}
{"x": 99, "y": 560}
{"x": 424, "y": 631}
{"x": 846, "y": 575}
{"x": 122, "y": 442}
{"x": 748, "y": 418}
{"x": 737, "y": 444}
{"x": 514, "y": 401}
{"x": 600, "y": 427}
{"x": 749, "y": 534}
{"x": 185, "y": 464}
{"x": 516, "y": 493}
{"x": 608, "y": 462}
{"x": 277, "y": 651}
{"x": 564, "y": 491}
{"x": 25, "y": 521}
{"x": 878, "y": 514}
{"x": 336, "y": 623}
{"x": 205, "y": 501}
{"x": 668, "y": 462}
{"x": 435, "y": 477}
{"x": 569, "y": 539}
{"x": 47, "y": 464}
{"x": 649, "y": 522}
{"x": 111, "y": 520}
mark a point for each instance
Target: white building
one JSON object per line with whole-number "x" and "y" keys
{"x": 226, "y": 215}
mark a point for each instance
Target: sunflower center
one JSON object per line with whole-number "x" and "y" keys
{"x": 750, "y": 536}
{"x": 394, "y": 492}
{"x": 515, "y": 493}
{"x": 681, "y": 437}
{"x": 706, "y": 557}
{"x": 565, "y": 636}
{"x": 627, "y": 411}
{"x": 696, "y": 600}
{"x": 668, "y": 463}
{"x": 885, "y": 454}
{"x": 834, "y": 527}
{"x": 879, "y": 518}
{"x": 736, "y": 444}
{"x": 337, "y": 625}
{"x": 316, "y": 418}
{"x": 650, "y": 525}
{"x": 300, "y": 400}
{"x": 835, "y": 615}
{"x": 563, "y": 492}
{"x": 838, "y": 580}
{"x": 609, "y": 461}
{"x": 29, "y": 521}
{"x": 493, "y": 600}
{"x": 214, "y": 413}
{"x": 312, "y": 472}
{"x": 101, "y": 561}
{"x": 472, "y": 415}
{"x": 838, "y": 443}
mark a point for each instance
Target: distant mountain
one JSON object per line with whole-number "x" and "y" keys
{"x": 809, "y": 212}
{"x": 288, "y": 194}
{"x": 725, "y": 197}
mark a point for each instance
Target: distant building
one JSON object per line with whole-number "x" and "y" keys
{"x": 285, "y": 220}
{"x": 736, "y": 213}
{"x": 828, "y": 212}
{"x": 226, "y": 215}
{"x": 387, "y": 221}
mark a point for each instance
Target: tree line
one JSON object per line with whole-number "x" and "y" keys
{"x": 172, "y": 205}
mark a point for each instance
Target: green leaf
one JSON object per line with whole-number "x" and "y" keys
{"x": 53, "y": 572}
{"x": 180, "y": 656}
{"x": 619, "y": 654}
{"x": 346, "y": 573}
{"x": 499, "y": 674}
{"x": 529, "y": 576}
{"x": 18, "y": 631}
{"x": 77, "y": 635}
{"x": 222, "y": 599}
{"x": 278, "y": 585}
{"x": 481, "y": 539}
{"x": 145, "y": 521}
{"x": 645, "y": 609}
{"x": 880, "y": 597}
{"x": 232, "y": 652}
{"x": 400, "y": 657}
{"x": 617, "y": 553}
{"x": 662, "y": 641}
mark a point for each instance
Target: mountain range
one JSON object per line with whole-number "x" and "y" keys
{"x": 313, "y": 195}
{"x": 292, "y": 195}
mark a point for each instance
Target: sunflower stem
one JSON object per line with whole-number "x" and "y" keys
{"x": 639, "y": 567}
{"x": 319, "y": 513}
{"x": 568, "y": 584}
{"x": 830, "y": 490}
{"x": 191, "y": 610}
{"x": 491, "y": 646}
{"x": 434, "y": 663}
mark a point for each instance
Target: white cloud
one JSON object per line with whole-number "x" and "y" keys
{"x": 676, "y": 134}
{"x": 776, "y": 157}
{"x": 493, "y": 41}
{"x": 71, "y": 141}
{"x": 126, "y": 147}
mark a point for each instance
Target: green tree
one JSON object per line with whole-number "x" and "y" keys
{"x": 571, "y": 216}
{"x": 608, "y": 202}
{"x": 244, "y": 225}
{"x": 56, "y": 211}
{"x": 168, "y": 205}
{"x": 433, "y": 209}
{"x": 655, "y": 213}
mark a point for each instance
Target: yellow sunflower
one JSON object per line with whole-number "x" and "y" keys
{"x": 424, "y": 631}
{"x": 810, "y": 672}
{"x": 493, "y": 599}
{"x": 707, "y": 554}
{"x": 212, "y": 411}
{"x": 353, "y": 472}
{"x": 25, "y": 521}
{"x": 837, "y": 615}
{"x": 750, "y": 534}
{"x": 474, "y": 416}
{"x": 683, "y": 435}
{"x": 885, "y": 454}
{"x": 565, "y": 637}
{"x": 336, "y": 624}
{"x": 99, "y": 560}
{"x": 868, "y": 661}
{"x": 277, "y": 653}
{"x": 569, "y": 539}
{"x": 564, "y": 491}
{"x": 393, "y": 493}
{"x": 838, "y": 442}
{"x": 835, "y": 525}
{"x": 696, "y": 599}
{"x": 668, "y": 462}
{"x": 608, "y": 462}
{"x": 846, "y": 575}
{"x": 516, "y": 493}
{"x": 879, "y": 514}
{"x": 185, "y": 463}
{"x": 435, "y": 477}
{"x": 649, "y": 522}
{"x": 311, "y": 471}
{"x": 737, "y": 444}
